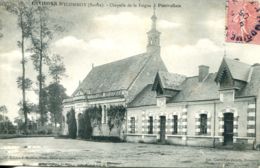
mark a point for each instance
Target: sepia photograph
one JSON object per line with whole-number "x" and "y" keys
{"x": 130, "y": 83}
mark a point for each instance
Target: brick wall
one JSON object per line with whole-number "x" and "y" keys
{"x": 188, "y": 122}
{"x": 258, "y": 119}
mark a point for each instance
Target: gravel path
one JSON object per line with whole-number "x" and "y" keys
{"x": 66, "y": 152}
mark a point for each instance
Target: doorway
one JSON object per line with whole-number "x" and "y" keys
{"x": 162, "y": 128}
{"x": 228, "y": 128}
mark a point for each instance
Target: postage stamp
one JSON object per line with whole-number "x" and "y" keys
{"x": 243, "y": 21}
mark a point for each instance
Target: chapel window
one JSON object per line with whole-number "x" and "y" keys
{"x": 132, "y": 125}
{"x": 150, "y": 127}
{"x": 203, "y": 123}
{"x": 175, "y": 124}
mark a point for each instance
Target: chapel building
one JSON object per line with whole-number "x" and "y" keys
{"x": 117, "y": 83}
{"x": 210, "y": 109}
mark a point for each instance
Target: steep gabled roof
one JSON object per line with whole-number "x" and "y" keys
{"x": 170, "y": 80}
{"x": 113, "y": 76}
{"x": 253, "y": 85}
{"x": 146, "y": 97}
{"x": 238, "y": 70}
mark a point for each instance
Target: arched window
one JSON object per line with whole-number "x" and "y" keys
{"x": 203, "y": 123}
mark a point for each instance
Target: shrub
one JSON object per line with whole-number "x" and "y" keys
{"x": 7, "y": 127}
{"x": 89, "y": 119}
{"x": 72, "y": 124}
{"x": 41, "y": 131}
{"x": 116, "y": 116}
{"x": 94, "y": 114}
{"x": 49, "y": 131}
{"x": 81, "y": 128}
{"x": 85, "y": 128}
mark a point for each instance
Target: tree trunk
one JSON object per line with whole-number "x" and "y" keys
{"x": 40, "y": 91}
{"x": 23, "y": 80}
{"x": 40, "y": 76}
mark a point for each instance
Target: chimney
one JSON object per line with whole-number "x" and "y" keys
{"x": 203, "y": 72}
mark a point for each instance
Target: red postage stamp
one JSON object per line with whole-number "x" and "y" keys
{"x": 243, "y": 21}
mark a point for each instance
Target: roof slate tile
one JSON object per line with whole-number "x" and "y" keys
{"x": 113, "y": 76}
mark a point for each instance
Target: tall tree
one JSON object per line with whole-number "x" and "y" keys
{"x": 41, "y": 35}
{"x": 57, "y": 68}
{"x": 23, "y": 11}
{"x": 56, "y": 95}
{"x": 56, "y": 92}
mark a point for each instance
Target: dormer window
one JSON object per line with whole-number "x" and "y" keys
{"x": 167, "y": 84}
{"x": 226, "y": 81}
{"x": 159, "y": 90}
{"x": 232, "y": 76}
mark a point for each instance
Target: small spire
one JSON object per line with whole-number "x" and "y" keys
{"x": 154, "y": 18}
{"x": 153, "y": 34}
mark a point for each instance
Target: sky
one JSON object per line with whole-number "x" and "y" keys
{"x": 192, "y": 34}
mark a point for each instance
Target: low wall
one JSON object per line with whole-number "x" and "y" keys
{"x": 134, "y": 138}
{"x": 201, "y": 141}
{"x": 144, "y": 138}
{"x": 175, "y": 140}
{"x": 190, "y": 140}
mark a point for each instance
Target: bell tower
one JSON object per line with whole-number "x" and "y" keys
{"x": 153, "y": 35}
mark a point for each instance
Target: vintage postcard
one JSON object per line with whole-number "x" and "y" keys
{"x": 130, "y": 83}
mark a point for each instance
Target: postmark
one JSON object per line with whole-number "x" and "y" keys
{"x": 243, "y": 21}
